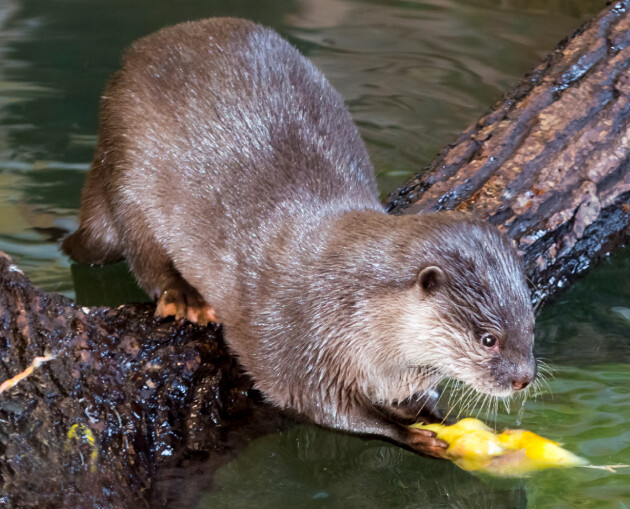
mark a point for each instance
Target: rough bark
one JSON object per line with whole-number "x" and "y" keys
{"x": 128, "y": 400}
{"x": 123, "y": 394}
{"x": 550, "y": 164}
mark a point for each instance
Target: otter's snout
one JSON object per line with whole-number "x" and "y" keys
{"x": 521, "y": 383}
{"x": 524, "y": 378}
{"x": 513, "y": 375}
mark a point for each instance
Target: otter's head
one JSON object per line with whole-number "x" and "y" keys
{"x": 469, "y": 310}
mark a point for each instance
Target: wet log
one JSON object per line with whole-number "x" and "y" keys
{"x": 126, "y": 399}
{"x": 550, "y": 164}
{"x": 122, "y": 394}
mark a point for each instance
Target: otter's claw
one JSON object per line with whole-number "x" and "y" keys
{"x": 425, "y": 442}
{"x": 181, "y": 304}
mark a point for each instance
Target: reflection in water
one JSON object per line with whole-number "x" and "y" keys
{"x": 310, "y": 467}
{"x": 585, "y": 325}
{"x": 306, "y": 465}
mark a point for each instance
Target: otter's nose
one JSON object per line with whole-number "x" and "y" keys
{"x": 521, "y": 383}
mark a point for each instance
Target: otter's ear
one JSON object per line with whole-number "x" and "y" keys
{"x": 430, "y": 279}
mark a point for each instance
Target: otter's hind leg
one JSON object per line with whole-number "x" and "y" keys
{"x": 96, "y": 241}
{"x": 181, "y": 300}
{"x": 156, "y": 274}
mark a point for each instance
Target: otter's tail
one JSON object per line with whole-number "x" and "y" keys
{"x": 97, "y": 240}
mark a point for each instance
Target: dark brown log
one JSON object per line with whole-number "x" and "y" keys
{"x": 124, "y": 393}
{"x": 126, "y": 397}
{"x": 550, "y": 164}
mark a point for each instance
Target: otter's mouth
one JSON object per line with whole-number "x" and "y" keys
{"x": 492, "y": 388}
{"x": 461, "y": 398}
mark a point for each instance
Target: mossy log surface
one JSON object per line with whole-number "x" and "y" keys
{"x": 134, "y": 412}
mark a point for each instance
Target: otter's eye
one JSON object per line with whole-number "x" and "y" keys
{"x": 488, "y": 340}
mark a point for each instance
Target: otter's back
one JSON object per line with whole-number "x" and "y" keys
{"x": 226, "y": 112}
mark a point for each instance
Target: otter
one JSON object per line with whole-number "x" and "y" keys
{"x": 231, "y": 177}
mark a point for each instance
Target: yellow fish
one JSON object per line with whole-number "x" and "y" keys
{"x": 474, "y": 446}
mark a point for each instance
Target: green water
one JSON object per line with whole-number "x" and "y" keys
{"x": 414, "y": 74}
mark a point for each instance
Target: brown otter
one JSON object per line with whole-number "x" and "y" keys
{"x": 229, "y": 173}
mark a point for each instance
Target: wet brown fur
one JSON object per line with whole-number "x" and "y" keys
{"x": 230, "y": 170}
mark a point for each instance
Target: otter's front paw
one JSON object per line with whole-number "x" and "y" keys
{"x": 425, "y": 442}
{"x": 185, "y": 303}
